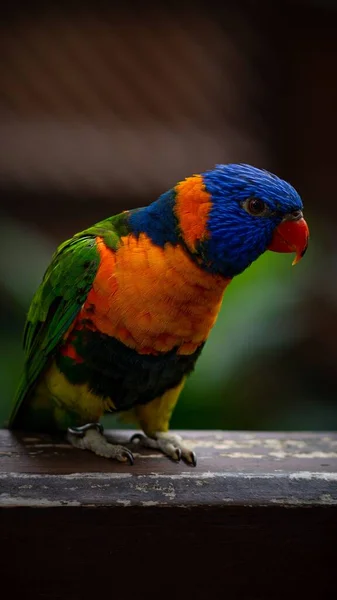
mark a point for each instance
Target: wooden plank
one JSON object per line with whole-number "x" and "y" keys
{"x": 233, "y": 469}
{"x": 256, "y": 519}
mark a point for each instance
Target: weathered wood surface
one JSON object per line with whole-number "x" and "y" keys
{"x": 255, "y": 520}
{"x": 233, "y": 468}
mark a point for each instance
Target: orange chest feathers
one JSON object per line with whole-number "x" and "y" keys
{"x": 152, "y": 299}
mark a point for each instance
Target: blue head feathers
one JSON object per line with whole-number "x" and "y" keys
{"x": 247, "y": 206}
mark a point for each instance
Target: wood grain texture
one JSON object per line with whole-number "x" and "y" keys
{"x": 233, "y": 469}
{"x": 255, "y": 520}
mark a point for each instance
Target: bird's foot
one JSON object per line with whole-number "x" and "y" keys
{"x": 90, "y": 437}
{"x": 169, "y": 443}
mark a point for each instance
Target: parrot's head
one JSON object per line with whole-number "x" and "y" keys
{"x": 242, "y": 211}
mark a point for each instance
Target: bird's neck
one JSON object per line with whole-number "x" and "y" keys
{"x": 157, "y": 221}
{"x": 178, "y": 217}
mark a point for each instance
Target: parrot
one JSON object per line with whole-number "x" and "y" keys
{"x": 125, "y": 307}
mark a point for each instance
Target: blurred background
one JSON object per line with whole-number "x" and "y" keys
{"x": 102, "y": 108}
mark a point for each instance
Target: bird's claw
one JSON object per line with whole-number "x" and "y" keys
{"x": 178, "y": 455}
{"x": 129, "y": 456}
{"x": 193, "y": 457}
{"x": 169, "y": 444}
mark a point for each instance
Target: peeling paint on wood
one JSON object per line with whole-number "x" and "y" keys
{"x": 9, "y": 501}
{"x": 246, "y": 469}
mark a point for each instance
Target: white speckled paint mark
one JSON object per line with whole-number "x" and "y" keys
{"x": 329, "y": 440}
{"x": 221, "y": 445}
{"x": 315, "y": 454}
{"x": 241, "y": 455}
{"x": 170, "y": 492}
{"x": 124, "y": 502}
{"x": 296, "y": 443}
{"x": 100, "y": 485}
{"x": 325, "y": 499}
{"x": 272, "y": 444}
{"x": 278, "y": 454}
{"x": 142, "y": 485}
{"x": 7, "y": 500}
{"x": 151, "y": 503}
{"x": 281, "y": 454}
{"x": 167, "y": 490}
{"x": 66, "y": 477}
{"x": 309, "y": 476}
{"x": 242, "y": 475}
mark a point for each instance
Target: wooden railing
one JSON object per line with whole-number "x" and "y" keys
{"x": 257, "y": 518}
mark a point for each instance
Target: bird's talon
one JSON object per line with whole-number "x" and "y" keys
{"x": 193, "y": 459}
{"x": 178, "y": 454}
{"x": 169, "y": 444}
{"x": 128, "y": 457}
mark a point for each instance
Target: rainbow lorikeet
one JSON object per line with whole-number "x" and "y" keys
{"x": 126, "y": 306}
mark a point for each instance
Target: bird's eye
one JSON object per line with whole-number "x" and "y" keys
{"x": 256, "y": 207}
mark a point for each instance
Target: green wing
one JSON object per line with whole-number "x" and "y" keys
{"x": 55, "y": 305}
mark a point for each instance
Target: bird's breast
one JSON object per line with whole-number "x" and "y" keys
{"x": 152, "y": 299}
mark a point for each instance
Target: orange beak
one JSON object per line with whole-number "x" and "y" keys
{"x": 291, "y": 236}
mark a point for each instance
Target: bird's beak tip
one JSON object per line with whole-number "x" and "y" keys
{"x": 299, "y": 255}
{"x": 291, "y": 236}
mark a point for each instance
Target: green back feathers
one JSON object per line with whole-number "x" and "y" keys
{"x": 59, "y": 298}
{"x": 111, "y": 229}
{"x": 55, "y": 305}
